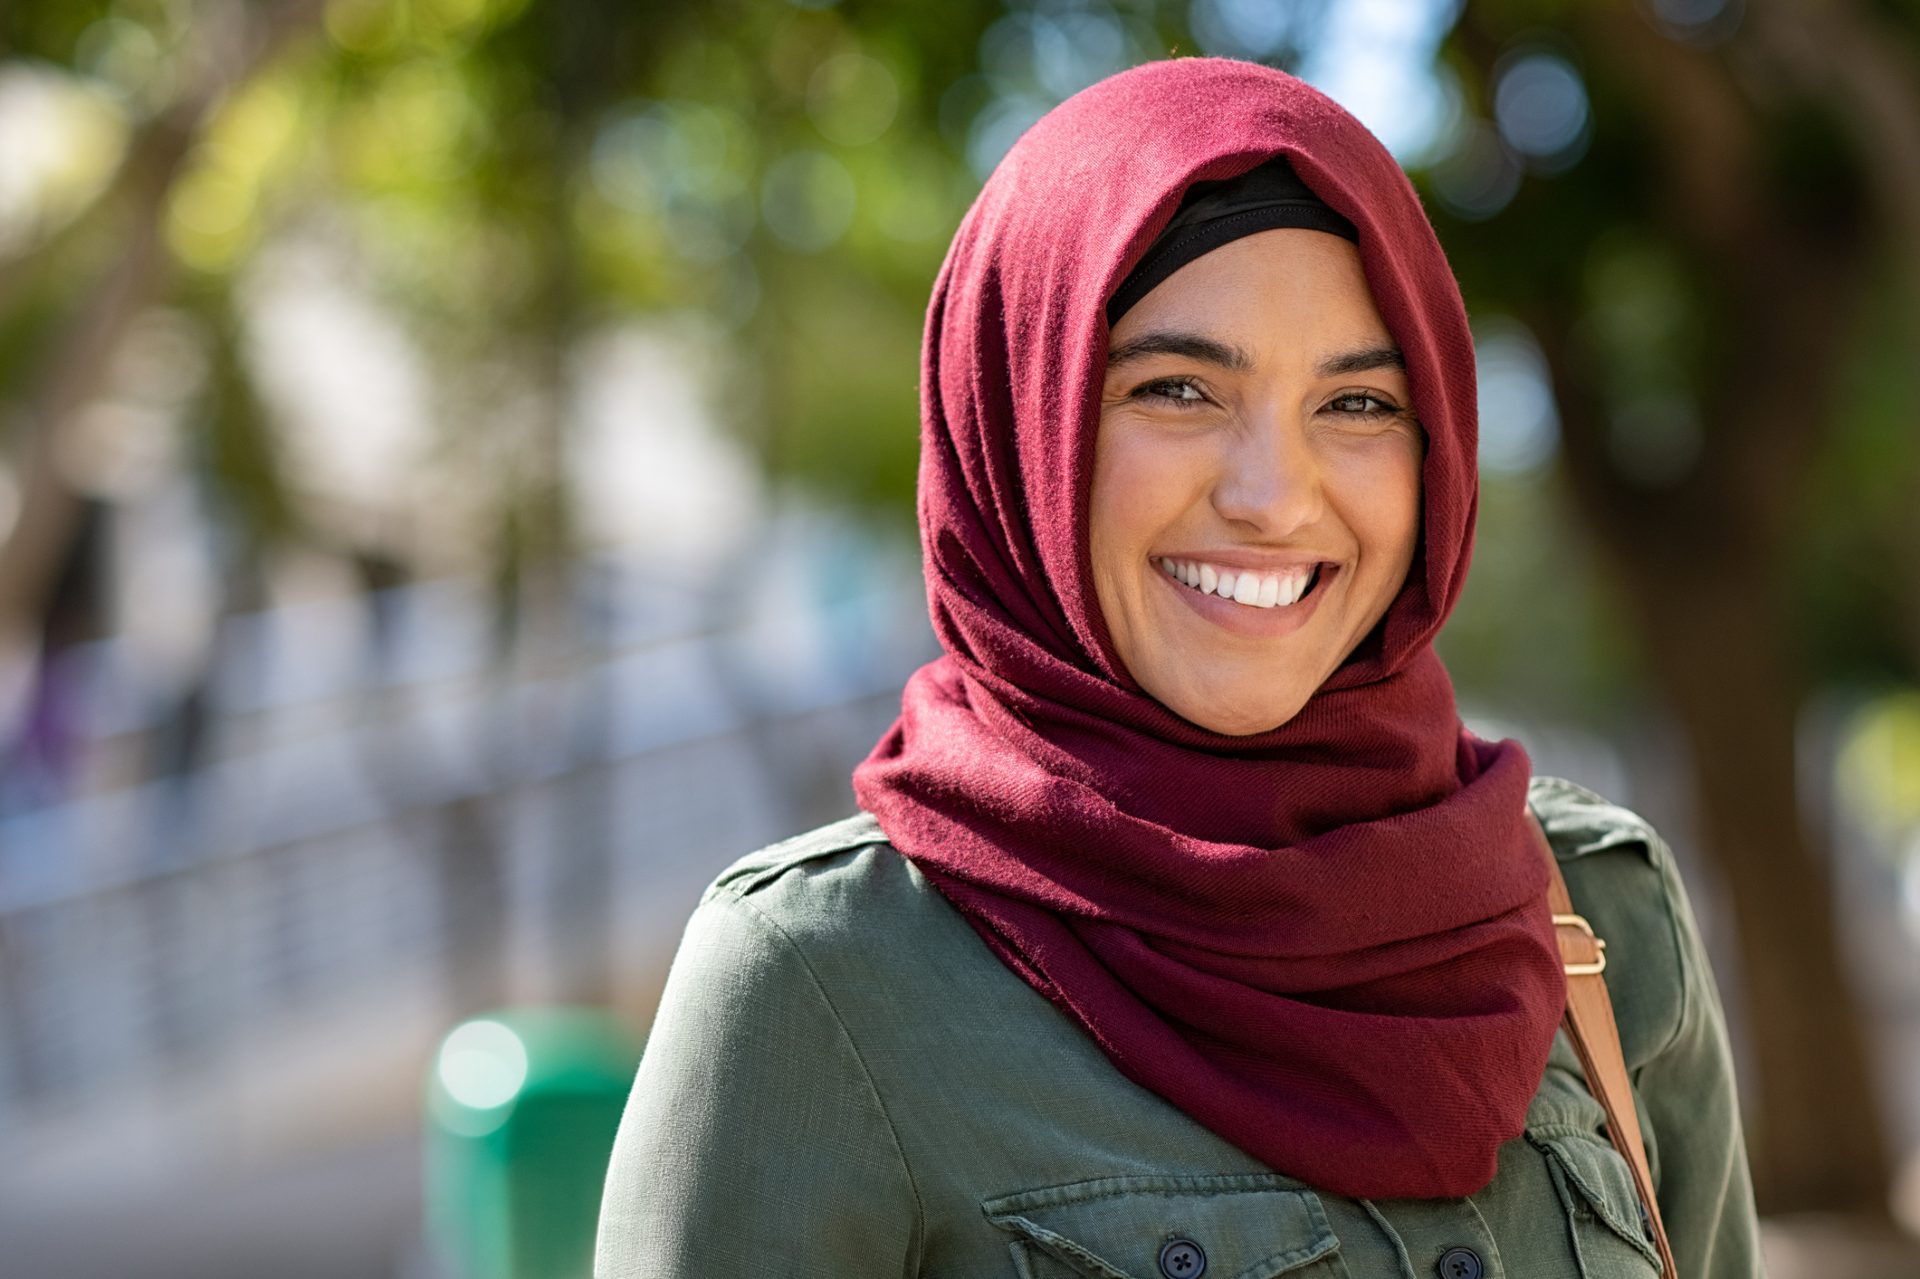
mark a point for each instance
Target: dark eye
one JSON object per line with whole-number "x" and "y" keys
{"x": 1179, "y": 391}
{"x": 1360, "y": 404}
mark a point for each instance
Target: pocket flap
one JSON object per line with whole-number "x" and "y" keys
{"x": 1600, "y": 1175}
{"x": 1249, "y": 1225}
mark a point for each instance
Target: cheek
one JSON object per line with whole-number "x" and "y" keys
{"x": 1390, "y": 506}
{"x": 1412, "y": 503}
{"x": 1136, "y": 496}
{"x": 1141, "y": 490}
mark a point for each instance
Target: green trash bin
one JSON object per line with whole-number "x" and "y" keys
{"x": 522, "y": 1106}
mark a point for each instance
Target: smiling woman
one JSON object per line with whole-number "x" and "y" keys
{"x": 1256, "y": 482}
{"x": 1183, "y": 930}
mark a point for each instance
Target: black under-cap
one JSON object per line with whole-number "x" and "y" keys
{"x": 1215, "y": 213}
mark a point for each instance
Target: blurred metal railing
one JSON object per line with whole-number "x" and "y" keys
{"x": 372, "y": 795}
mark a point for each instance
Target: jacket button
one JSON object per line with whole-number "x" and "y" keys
{"x": 1459, "y": 1263}
{"x": 1183, "y": 1259}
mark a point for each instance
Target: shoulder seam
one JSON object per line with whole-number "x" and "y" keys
{"x": 913, "y": 1186}
{"x": 742, "y": 878}
{"x": 1600, "y": 812}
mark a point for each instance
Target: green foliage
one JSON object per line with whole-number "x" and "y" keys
{"x": 53, "y": 31}
{"x": 851, "y": 355}
{"x": 238, "y": 456}
{"x": 507, "y": 176}
{"x": 1533, "y": 634}
{"x": 1859, "y": 557}
{"x": 1880, "y": 758}
{"x": 1658, "y": 320}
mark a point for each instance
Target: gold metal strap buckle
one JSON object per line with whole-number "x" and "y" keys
{"x": 1599, "y": 944}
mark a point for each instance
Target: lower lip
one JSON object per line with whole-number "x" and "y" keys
{"x": 1247, "y": 619}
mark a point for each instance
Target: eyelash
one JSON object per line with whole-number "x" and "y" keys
{"x": 1385, "y": 408}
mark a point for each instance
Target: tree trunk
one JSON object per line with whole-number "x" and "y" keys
{"x": 76, "y": 363}
{"x": 1717, "y": 658}
{"x": 1701, "y": 567}
{"x": 1702, "y": 560}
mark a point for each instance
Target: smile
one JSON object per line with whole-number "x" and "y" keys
{"x": 1280, "y": 589}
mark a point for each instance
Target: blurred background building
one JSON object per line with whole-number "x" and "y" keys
{"x": 456, "y": 464}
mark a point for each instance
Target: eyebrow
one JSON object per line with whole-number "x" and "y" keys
{"x": 1193, "y": 346}
{"x": 1362, "y": 361}
{"x": 1196, "y": 346}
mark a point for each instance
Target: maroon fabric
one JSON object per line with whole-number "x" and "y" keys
{"x": 1329, "y": 943}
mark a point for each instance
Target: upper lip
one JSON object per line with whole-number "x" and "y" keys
{"x": 1253, "y": 561}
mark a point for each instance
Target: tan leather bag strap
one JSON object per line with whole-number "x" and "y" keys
{"x": 1596, "y": 1038}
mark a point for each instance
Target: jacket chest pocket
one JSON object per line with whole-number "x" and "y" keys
{"x": 1232, "y": 1226}
{"x": 1610, "y": 1237}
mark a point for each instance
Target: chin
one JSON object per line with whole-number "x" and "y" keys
{"x": 1239, "y": 723}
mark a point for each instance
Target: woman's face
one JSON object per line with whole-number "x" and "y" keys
{"x": 1256, "y": 440}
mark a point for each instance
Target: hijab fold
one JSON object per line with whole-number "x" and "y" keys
{"x": 1329, "y": 943}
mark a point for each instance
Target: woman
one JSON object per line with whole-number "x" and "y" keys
{"x": 1183, "y": 929}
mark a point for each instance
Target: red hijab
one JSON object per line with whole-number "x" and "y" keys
{"x": 1329, "y": 943}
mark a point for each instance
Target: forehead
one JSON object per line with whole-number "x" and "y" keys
{"x": 1270, "y": 293}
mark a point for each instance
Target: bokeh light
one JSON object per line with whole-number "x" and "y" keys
{"x": 1378, "y": 59}
{"x": 807, "y": 198}
{"x": 1698, "y": 22}
{"x": 1479, "y": 175}
{"x": 60, "y": 140}
{"x": 999, "y": 126}
{"x": 852, "y": 98}
{"x": 1519, "y": 423}
{"x": 469, "y": 431}
{"x": 1540, "y": 104}
{"x": 1253, "y": 29}
{"x": 679, "y": 166}
{"x": 483, "y": 1064}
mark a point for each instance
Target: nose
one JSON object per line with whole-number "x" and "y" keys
{"x": 1269, "y": 477}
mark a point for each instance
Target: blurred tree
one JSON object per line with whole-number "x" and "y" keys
{"x": 1706, "y": 215}
{"x": 82, "y": 285}
{"x": 1702, "y": 212}
{"x": 503, "y": 178}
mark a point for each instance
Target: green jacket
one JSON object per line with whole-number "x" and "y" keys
{"x": 843, "y": 1081}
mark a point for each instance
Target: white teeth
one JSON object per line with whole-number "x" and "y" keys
{"x": 1270, "y": 590}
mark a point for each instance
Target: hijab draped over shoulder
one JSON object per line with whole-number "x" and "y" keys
{"x": 1329, "y": 943}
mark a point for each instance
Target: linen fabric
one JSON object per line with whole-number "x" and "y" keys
{"x": 1328, "y": 943}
